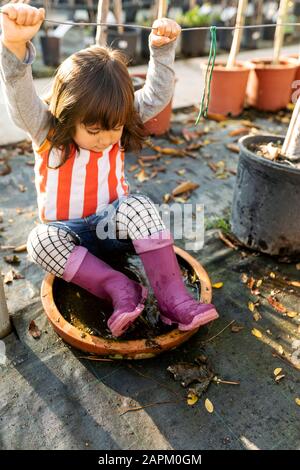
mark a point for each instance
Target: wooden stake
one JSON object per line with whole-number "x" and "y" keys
{"x": 292, "y": 139}
{"x": 162, "y": 8}
{"x": 238, "y": 33}
{"x": 279, "y": 32}
{"x": 118, "y": 14}
{"x": 101, "y": 34}
{"x": 5, "y": 326}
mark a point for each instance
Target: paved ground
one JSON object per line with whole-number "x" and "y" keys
{"x": 51, "y": 399}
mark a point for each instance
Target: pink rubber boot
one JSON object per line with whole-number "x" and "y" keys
{"x": 175, "y": 303}
{"x": 97, "y": 277}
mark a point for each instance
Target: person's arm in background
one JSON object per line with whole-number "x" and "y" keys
{"x": 17, "y": 53}
{"x": 159, "y": 86}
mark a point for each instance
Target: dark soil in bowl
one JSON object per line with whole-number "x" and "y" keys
{"x": 90, "y": 314}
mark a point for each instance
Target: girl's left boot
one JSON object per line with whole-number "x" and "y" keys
{"x": 175, "y": 303}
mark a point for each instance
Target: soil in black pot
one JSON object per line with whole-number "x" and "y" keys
{"x": 90, "y": 314}
{"x": 272, "y": 151}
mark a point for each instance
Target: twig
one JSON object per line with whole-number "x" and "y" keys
{"x": 213, "y": 337}
{"x": 227, "y": 382}
{"x": 92, "y": 358}
{"x": 137, "y": 408}
{"x": 285, "y": 359}
{"x": 226, "y": 241}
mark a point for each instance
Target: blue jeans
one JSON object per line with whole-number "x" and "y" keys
{"x": 84, "y": 230}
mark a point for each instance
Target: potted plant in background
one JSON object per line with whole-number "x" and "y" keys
{"x": 193, "y": 42}
{"x": 270, "y": 81}
{"x": 229, "y": 81}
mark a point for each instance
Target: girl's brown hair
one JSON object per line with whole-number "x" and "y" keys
{"x": 93, "y": 86}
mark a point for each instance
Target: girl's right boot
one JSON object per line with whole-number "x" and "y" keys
{"x": 100, "y": 279}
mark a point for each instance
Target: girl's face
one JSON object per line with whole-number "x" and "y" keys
{"x": 91, "y": 137}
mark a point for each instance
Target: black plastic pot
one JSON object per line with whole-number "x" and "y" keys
{"x": 50, "y": 50}
{"x": 269, "y": 32}
{"x": 193, "y": 42}
{"x": 126, "y": 41}
{"x": 265, "y": 209}
{"x": 224, "y": 37}
{"x": 250, "y": 38}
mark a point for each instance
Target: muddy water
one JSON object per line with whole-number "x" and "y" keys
{"x": 90, "y": 314}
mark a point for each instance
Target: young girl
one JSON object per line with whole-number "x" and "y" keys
{"x": 79, "y": 136}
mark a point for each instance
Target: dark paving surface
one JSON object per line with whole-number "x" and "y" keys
{"x": 51, "y": 399}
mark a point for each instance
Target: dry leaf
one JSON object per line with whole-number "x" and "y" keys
{"x": 6, "y": 169}
{"x": 141, "y": 176}
{"x": 11, "y": 275}
{"x": 181, "y": 172}
{"x": 132, "y": 168}
{"x": 166, "y": 197}
{"x": 298, "y": 266}
{"x": 251, "y": 306}
{"x": 257, "y": 316}
{"x": 256, "y": 333}
{"x": 239, "y": 131}
{"x": 189, "y": 135}
{"x": 14, "y": 259}
{"x": 279, "y": 377}
{"x": 217, "y": 117}
{"x": 277, "y": 371}
{"x": 236, "y": 328}
{"x": 20, "y": 248}
{"x": 192, "y": 398}
{"x": 294, "y": 283}
{"x": 209, "y": 406}
{"x": 297, "y": 401}
{"x": 272, "y": 275}
{"x": 218, "y": 285}
{"x": 259, "y": 283}
{"x": 33, "y": 330}
{"x": 233, "y": 148}
{"x": 184, "y": 187}
{"x": 292, "y": 314}
{"x": 244, "y": 278}
{"x": 280, "y": 349}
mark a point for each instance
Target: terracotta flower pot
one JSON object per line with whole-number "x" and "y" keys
{"x": 228, "y": 88}
{"x": 269, "y": 86}
{"x": 295, "y": 91}
{"x": 159, "y": 124}
{"x": 132, "y": 349}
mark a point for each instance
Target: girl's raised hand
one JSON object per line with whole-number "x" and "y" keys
{"x": 20, "y": 22}
{"x": 164, "y": 31}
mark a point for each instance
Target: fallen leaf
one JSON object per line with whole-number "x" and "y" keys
{"x": 291, "y": 314}
{"x": 297, "y": 400}
{"x": 233, "y": 148}
{"x": 184, "y": 187}
{"x": 259, "y": 283}
{"x": 132, "y": 168}
{"x": 294, "y": 283}
{"x": 20, "y": 248}
{"x": 189, "y": 135}
{"x": 272, "y": 275}
{"x": 166, "y": 197}
{"x": 256, "y": 333}
{"x": 22, "y": 188}
{"x": 209, "y": 406}
{"x": 236, "y": 328}
{"x": 279, "y": 377}
{"x": 181, "y": 172}
{"x": 6, "y": 168}
{"x": 141, "y": 176}
{"x": 11, "y": 275}
{"x": 218, "y": 285}
{"x": 277, "y": 371}
{"x": 33, "y": 330}
{"x": 244, "y": 278}
{"x": 195, "y": 146}
{"x": 257, "y": 316}
{"x": 280, "y": 349}
{"x": 192, "y": 398}
{"x": 251, "y": 306}
{"x": 217, "y": 117}
{"x": 14, "y": 259}
{"x": 239, "y": 131}
{"x": 298, "y": 266}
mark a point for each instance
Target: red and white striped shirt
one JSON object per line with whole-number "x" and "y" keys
{"x": 79, "y": 187}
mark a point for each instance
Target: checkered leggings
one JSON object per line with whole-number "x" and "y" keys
{"x": 50, "y": 246}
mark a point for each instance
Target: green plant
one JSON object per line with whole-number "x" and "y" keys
{"x": 194, "y": 18}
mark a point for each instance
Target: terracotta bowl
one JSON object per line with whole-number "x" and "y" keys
{"x": 131, "y": 349}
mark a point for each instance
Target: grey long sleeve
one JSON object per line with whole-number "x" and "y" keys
{"x": 31, "y": 114}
